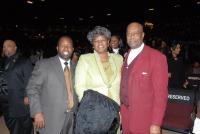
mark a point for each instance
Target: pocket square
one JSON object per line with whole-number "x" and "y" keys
{"x": 144, "y": 73}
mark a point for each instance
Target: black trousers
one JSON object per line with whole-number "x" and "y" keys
{"x": 19, "y": 125}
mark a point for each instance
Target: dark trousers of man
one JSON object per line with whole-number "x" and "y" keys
{"x": 19, "y": 125}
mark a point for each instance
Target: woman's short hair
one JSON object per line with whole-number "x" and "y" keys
{"x": 98, "y": 30}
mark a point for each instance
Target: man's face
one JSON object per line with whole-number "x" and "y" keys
{"x": 134, "y": 35}
{"x": 9, "y": 48}
{"x": 65, "y": 48}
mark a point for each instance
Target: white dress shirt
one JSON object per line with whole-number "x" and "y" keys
{"x": 196, "y": 127}
{"x": 62, "y": 61}
{"x": 134, "y": 53}
{"x": 115, "y": 50}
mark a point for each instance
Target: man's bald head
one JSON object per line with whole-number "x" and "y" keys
{"x": 135, "y": 35}
{"x": 135, "y": 25}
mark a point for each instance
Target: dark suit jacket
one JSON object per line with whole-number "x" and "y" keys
{"x": 18, "y": 71}
{"x": 97, "y": 114}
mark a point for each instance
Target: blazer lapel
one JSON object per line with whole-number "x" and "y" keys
{"x": 101, "y": 70}
{"x": 139, "y": 61}
{"x": 58, "y": 69}
{"x": 100, "y": 67}
{"x": 114, "y": 68}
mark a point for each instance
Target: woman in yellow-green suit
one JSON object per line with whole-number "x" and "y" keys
{"x": 101, "y": 70}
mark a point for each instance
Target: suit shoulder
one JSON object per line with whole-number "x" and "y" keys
{"x": 45, "y": 62}
{"x": 155, "y": 52}
{"x": 23, "y": 59}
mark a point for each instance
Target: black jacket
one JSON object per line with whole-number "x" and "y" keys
{"x": 97, "y": 114}
{"x": 18, "y": 70}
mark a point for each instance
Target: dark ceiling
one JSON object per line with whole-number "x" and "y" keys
{"x": 96, "y": 11}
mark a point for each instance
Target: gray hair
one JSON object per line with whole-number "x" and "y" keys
{"x": 98, "y": 30}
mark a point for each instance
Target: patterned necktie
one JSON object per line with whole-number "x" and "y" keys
{"x": 68, "y": 79}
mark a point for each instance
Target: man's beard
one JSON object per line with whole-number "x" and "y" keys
{"x": 65, "y": 55}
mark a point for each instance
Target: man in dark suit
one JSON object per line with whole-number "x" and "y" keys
{"x": 17, "y": 70}
{"x": 48, "y": 92}
{"x": 144, "y": 82}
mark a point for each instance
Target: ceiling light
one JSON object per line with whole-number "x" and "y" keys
{"x": 80, "y": 18}
{"x": 108, "y": 14}
{"x": 29, "y": 1}
{"x": 91, "y": 17}
{"x": 198, "y": 2}
{"x": 177, "y": 5}
{"x": 151, "y": 9}
{"x": 149, "y": 25}
{"x": 61, "y": 18}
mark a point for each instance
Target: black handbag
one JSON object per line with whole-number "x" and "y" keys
{"x": 97, "y": 114}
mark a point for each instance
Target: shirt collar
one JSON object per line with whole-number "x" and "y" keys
{"x": 62, "y": 61}
{"x": 139, "y": 49}
{"x": 115, "y": 50}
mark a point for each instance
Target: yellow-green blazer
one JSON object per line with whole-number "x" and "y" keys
{"x": 90, "y": 75}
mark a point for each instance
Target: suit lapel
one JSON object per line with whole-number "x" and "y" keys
{"x": 58, "y": 69}
{"x": 101, "y": 70}
{"x": 114, "y": 68}
{"x": 139, "y": 61}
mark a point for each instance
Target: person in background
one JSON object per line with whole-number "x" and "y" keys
{"x": 116, "y": 45}
{"x": 176, "y": 67}
{"x": 52, "y": 105}
{"x": 100, "y": 70}
{"x": 196, "y": 127}
{"x": 76, "y": 54}
{"x": 193, "y": 76}
{"x": 143, "y": 85}
{"x": 17, "y": 70}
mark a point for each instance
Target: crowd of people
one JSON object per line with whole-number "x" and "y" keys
{"x": 116, "y": 88}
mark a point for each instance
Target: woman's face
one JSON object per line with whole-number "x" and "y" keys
{"x": 177, "y": 49}
{"x": 114, "y": 42}
{"x": 100, "y": 44}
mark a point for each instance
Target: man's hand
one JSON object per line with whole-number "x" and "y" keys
{"x": 26, "y": 101}
{"x": 39, "y": 120}
{"x": 154, "y": 129}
